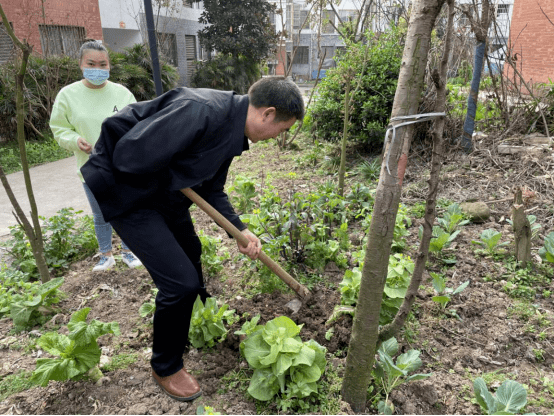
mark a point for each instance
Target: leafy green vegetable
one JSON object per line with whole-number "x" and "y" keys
{"x": 452, "y": 218}
{"x": 78, "y": 351}
{"x": 444, "y": 294}
{"x": 206, "y": 324}
{"x": 388, "y": 375}
{"x": 27, "y": 301}
{"x": 490, "y": 240}
{"x": 441, "y": 239}
{"x": 547, "y": 252}
{"x": 510, "y": 397}
{"x": 282, "y": 362}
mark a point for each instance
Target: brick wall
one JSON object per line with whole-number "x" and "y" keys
{"x": 532, "y": 40}
{"x": 27, "y": 15}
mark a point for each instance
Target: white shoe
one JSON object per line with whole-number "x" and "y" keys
{"x": 105, "y": 263}
{"x": 130, "y": 259}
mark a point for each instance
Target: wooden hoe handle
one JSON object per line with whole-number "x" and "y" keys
{"x": 301, "y": 290}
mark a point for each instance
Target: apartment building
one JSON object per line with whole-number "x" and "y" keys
{"x": 60, "y": 27}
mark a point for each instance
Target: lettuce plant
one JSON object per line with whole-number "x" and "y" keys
{"x": 444, "y": 294}
{"x": 389, "y": 374}
{"x": 490, "y": 240}
{"x": 509, "y": 399}
{"x": 77, "y": 352}
{"x": 206, "y": 324}
{"x": 148, "y": 308}
{"x": 452, "y": 218}
{"x": 25, "y": 302}
{"x": 441, "y": 239}
{"x": 547, "y": 252}
{"x": 282, "y": 362}
{"x": 399, "y": 275}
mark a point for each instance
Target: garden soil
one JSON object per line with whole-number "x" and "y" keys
{"x": 486, "y": 334}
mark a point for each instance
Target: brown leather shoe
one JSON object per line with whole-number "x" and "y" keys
{"x": 179, "y": 386}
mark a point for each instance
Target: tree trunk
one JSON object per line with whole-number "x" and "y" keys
{"x": 364, "y": 337}
{"x": 522, "y": 230}
{"x": 439, "y": 79}
{"x": 33, "y": 234}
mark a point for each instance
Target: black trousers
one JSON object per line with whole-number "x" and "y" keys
{"x": 170, "y": 250}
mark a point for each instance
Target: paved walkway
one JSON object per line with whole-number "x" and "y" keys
{"x": 55, "y": 186}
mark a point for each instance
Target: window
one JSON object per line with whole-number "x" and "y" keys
{"x": 502, "y": 9}
{"x": 168, "y": 47}
{"x": 6, "y": 45}
{"x": 190, "y": 47}
{"x": 465, "y": 10}
{"x": 327, "y": 17}
{"x": 61, "y": 40}
{"x": 327, "y": 51}
{"x": 348, "y": 15}
{"x": 301, "y": 56}
{"x": 300, "y": 17}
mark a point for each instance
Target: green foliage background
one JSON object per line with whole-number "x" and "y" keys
{"x": 371, "y": 105}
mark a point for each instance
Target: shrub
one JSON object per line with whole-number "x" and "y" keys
{"x": 226, "y": 72}
{"x": 371, "y": 105}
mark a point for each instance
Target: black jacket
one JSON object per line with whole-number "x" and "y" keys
{"x": 186, "y": 138}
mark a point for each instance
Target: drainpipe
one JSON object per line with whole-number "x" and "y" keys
{"x": 153, "y": 46}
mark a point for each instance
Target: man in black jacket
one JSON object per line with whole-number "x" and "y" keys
{"x": 150, "y": 150}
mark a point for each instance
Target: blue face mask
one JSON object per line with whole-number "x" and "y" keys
{"x": 96, "y": 76}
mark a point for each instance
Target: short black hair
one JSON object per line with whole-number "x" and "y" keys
{"x": 92, "y": 45}
{"x": 280, "y": 93}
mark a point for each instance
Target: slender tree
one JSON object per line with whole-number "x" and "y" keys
{"x": 363, "y": 342}
{"x": 437, "y": 159}
{"x": 480, "y": 28}
{"x": 33, "y": 232}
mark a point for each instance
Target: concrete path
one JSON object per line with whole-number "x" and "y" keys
{"x": 55, "y": 185}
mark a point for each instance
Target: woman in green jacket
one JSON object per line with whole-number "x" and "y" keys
{"x": 77, "y": 116}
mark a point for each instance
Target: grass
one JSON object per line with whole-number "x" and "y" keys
{"x": 14, "y": 383}
{"x": 121, "y": 361}
{"x": 38, "y": 152}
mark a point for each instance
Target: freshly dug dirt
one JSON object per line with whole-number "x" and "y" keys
{"x": 491, "y": 335}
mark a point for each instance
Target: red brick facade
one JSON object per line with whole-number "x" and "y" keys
{"x": 26, "y": 16}
{"x": 532, "y": 40}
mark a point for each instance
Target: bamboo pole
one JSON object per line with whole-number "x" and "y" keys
{"x": 301, "y": 290}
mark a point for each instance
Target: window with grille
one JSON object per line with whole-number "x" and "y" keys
{"x": 301, "y": 56}
{"x": 327, "y": 51}
{"x": 6, "y": 45}
{"x": 300, "y": 17}
{"x": 465, "y": 10}
{"x": 191, "y": 55}
{"x": 502, "y": 9}
{"x": 61, "y": 40}
{"x": 168, "y": 47}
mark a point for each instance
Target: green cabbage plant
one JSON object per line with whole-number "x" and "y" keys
{"x": 282, "y": 363}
